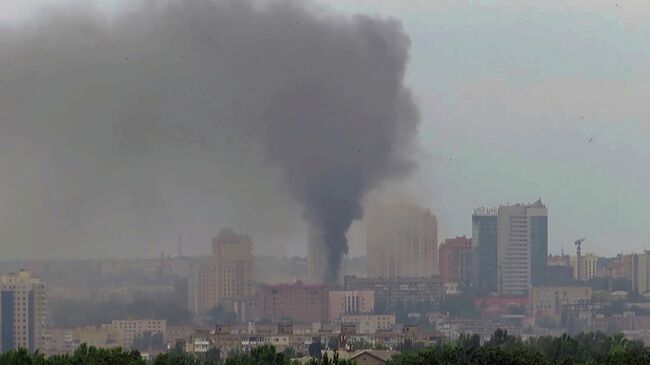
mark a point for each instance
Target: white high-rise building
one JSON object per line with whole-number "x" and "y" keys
{"x": 402, "y": 241}
{"x": 522, "y": 247}
{"x": 22, "y": 312}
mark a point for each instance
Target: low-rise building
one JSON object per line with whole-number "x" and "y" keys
{"x": 370, "y": 323}
{"x": 133, "y": 328}
{"x": 397, "y": 293}
{"x": 342, "y": 302}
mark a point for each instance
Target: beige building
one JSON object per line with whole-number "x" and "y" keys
{"x": 100, "y": 337}
{"x": 343, "y": 302}
{"x": 553, "y": 302}
{"x": 227, "y": 276}
{"x": 401, "y": 241}
{"x": 316, "y": 257}
{"x": 522, "y": 247}
{"x": 131, "y": 328}
{"x": 641, "y": 272}
{"x": 370, "y": 323}
{"x": 588, "y": 266}
{"x": 22, "y": 312}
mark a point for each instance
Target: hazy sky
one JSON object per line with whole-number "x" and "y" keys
{"x": 511, "y": 93}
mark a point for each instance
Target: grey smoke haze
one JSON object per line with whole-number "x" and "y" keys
{"x": 106, "y": 122}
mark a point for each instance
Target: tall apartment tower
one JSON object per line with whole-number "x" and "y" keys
{"x": 455, "y": 260}
{"x": 484, "y": 245}
{"x": 227, "y": 276}
{"x": 316, "y": 256}
{"x": 522, "y": 247}
{"x": 402, "y": 242}
{"x": 22, "y": 312}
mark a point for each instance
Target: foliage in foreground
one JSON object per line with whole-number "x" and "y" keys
{"x": 587, "y": 348}
{"x": 584, "y": 349}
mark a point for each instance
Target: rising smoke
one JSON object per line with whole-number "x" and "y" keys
{"x": 93, "y": 108}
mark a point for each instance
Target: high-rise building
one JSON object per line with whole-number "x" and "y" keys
{"x": 641, "y": 272}
{"x": 522, "y": 247}
{"x": 484, "y": 244}
{"x": 402, "y": 242}
{"x": 455, "y": 260}
{"x": 22, "y": 312}
{"x": 316, "y": 256}
{"x": 227, "y": 276}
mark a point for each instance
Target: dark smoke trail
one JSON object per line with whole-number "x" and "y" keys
{"x": 113, "y": 108}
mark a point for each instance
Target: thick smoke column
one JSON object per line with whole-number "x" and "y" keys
{"x": 101, "y": 106}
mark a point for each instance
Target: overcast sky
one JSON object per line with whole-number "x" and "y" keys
{"x": 519, "y": 100}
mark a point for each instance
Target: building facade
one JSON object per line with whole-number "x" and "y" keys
{"x": 316, "y": 256}
{"x": 641, "y": 272}
{"x": 484, "y": 245}
{"x": 129, "y": 329}
{"x": 401, "y": 241}
{"x": 522, "y": 247}
{"x": 370, "y": 323}
{"x": 400, "y": 293}
{"x": 296, "y": 302}
{"x": 588, "y": 266}
{"x": 342, "y": 302}
{"x": 22, "y": 312}
{"x": 455, "y": 260}
{"x": 559, "y": 303}
{"x": 226, "y": 277}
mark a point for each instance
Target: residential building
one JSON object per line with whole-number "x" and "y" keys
{"x": 296, "y": 302}
{"x": 316, "y": 256}
{"x": 226, "y": 277}
{"x": 370, "y": 323}
{"x": 556, "y": 304}
{"x": 100, "y": 337}
{"x": 132, "y": 328}
{"x": 401, "y": 241}
{"x": 342, "y": 302}
{"x": 522, "y": 247}
{"x": 22, "y": 312}
{"x": 641, "y": 270}
{"x": 399, "y": 293}
{"x": 484, "y": 244}
{"x": 588, "y": 266}
{"x": 455, "y": 260}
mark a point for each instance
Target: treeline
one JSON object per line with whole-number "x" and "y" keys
{"x": 584, "y": 349}
{"x": 502, "y": 349}
{"x": 85, "y": 355}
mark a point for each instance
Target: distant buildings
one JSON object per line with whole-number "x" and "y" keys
{"x": 296, "y": 302}
{"x": 402, "y": 241}
{"x": 555, "y": 305}
{"x": 400, "y": 293}
{"x": 484, "y": 243}
{"x": 455, "y": 260}
{"x": 522, "y": 247}
{"x": 343, "y": 302}
{"x": 132, "y": 328}
{"x": 588, "y": 266}
{"x": 227, "y": 277}
{"x": 22, "y": 312}
{"x": 370, "y": 323}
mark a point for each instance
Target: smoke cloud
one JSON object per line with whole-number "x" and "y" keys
{"x": 100, "y": 115}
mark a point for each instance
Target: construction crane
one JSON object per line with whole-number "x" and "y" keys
{"x": 578, "y": 244}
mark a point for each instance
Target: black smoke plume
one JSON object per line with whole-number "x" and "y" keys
{"x": 96, "y": 108}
